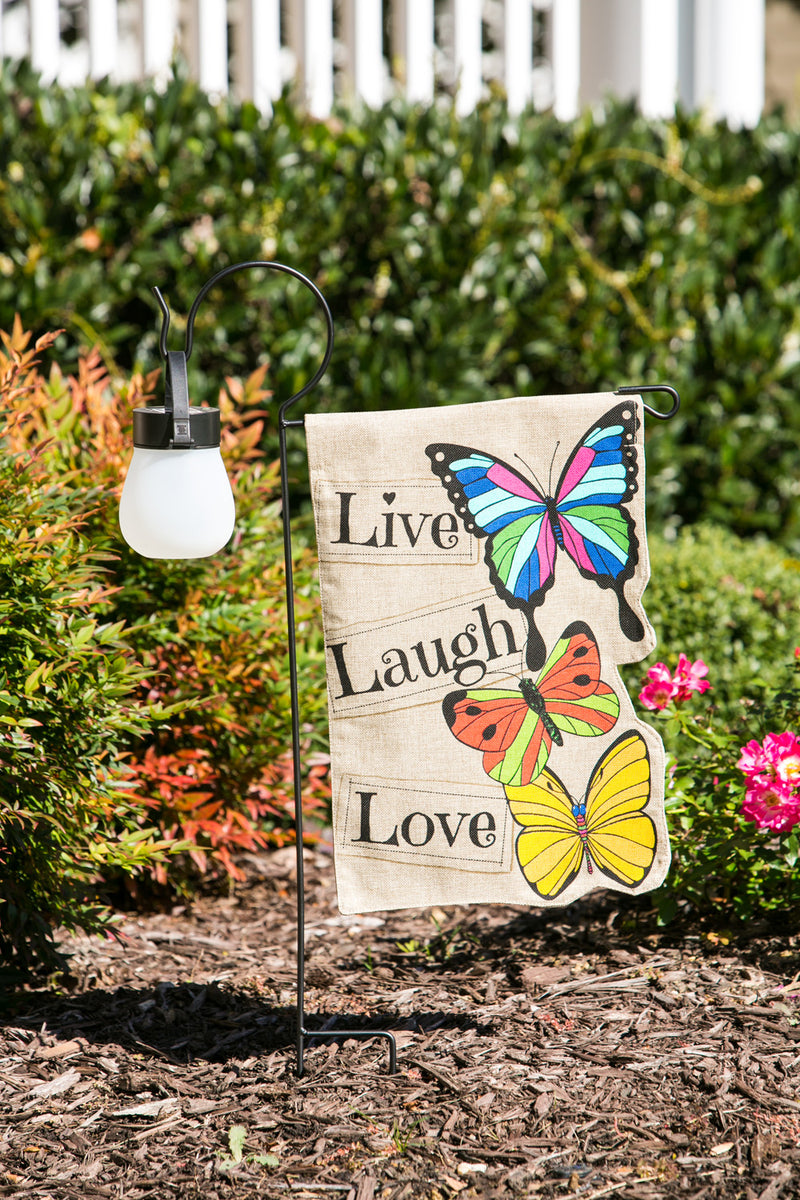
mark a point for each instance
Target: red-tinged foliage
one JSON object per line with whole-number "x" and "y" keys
{"x": 210, "y": 635}
{"x": 68, "y": 687}
{"x": 183, "y": 790}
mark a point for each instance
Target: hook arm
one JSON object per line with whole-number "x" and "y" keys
{"x": 246, "y": 266}
{"x": 653, "y": 387}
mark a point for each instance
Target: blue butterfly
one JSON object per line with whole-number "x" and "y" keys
{"x": 525, "y": 526}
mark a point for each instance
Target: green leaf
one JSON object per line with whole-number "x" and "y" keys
{"x": 236, "y": 1140}
{"x": 266, "y": 1160}
{"x": 36, "y": 677}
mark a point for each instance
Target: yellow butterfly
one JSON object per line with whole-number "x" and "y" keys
{"x": 607, "y": 830}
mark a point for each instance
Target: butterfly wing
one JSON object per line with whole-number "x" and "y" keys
{"x": 549, "y": 848}
{"x": 575, "y": 698}
{"x": 496, "y": 502}
{"x": 598, "y": 533}
{"x": 622, "y": 838}
{"x": 523, "y": 528}
{"x": 514, "y": 729}
{"x": 513, "y": 738}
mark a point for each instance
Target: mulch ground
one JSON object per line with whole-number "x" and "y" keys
{"x": 568, "y": 1053}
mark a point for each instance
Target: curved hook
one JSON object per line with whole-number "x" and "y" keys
{"x": 162, "y": 343}
{"x": 246, "y": 266}
{"x": 653, "y": 387}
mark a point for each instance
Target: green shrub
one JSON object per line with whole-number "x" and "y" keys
{"x": 462, "y": 259}
{"x": 734, "y": 602}
{"x": 67, "y": 681}
{"x": 213, "y": 637}
{"x": 145, "y": 704}
{"x": 209, "y": 635}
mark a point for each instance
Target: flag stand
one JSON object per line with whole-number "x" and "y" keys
{"x": 304, "y": 1035}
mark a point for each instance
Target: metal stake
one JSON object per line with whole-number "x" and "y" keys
{"x": 302, "y": 1034}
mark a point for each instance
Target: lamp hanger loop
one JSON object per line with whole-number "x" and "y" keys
{"x": 247, "y": 266}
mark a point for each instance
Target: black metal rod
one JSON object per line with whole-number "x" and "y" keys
{"x": 296, "y": 773}
{"x": 283, "y": 424}
{"x": 361, "y": 1034}
{"x": 302, "y": 1034}
{"x": 249, "y": 266}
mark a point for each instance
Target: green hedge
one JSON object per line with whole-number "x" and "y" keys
{"x": 463, "y": 259}
{"x": 143, "y": 705}
{"x": 734, "y": 602}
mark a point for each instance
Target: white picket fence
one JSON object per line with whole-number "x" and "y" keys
{"x": 562, "y": 54}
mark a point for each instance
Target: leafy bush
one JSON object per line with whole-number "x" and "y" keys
{"x": 722, "y": 863}
{"x": 193, "y": 652}
{"x": 179, "y": 669}
{"x": 67, "y": 682}
{"x": 734, "y": 602}
{"x": 221, "y": 775}
{"x": 462, "y": 259}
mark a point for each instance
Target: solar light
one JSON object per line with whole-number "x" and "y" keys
{"x": 177, "y": 500}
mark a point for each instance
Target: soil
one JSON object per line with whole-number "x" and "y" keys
{"x": 568, "y": 1053}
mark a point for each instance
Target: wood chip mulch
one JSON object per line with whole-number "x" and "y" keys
{"x": 568, "y": 1053}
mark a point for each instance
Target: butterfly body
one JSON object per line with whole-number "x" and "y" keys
{"x": 579, "y": 813}
{"x": 525, "y": 525}
{"x": 536, "y": 703}
{"x": 608, "y": 830}
{"x": 516, "y": 728}
{"x": 552, "y": 513}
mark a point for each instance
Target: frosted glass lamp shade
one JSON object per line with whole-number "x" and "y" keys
{"x": 177, "y": 503}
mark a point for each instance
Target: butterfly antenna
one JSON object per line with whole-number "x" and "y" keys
{"x": 550, "y": 473}
{"x": 532, "y": 473}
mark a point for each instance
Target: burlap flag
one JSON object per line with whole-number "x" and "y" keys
{"x": 482, "y": 570}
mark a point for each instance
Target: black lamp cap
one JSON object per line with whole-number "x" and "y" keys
{"x": 153, "y": 428}
{"x": 174, "y": 425}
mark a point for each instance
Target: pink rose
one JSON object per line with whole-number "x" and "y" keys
{"x": 657, "y": 693}
{"x": 662, "y": 686}
{"x": 752, "y": 759}
{"x": 777, "y": 759}
{"x": 689, "y": 677}
{"x": 783, "y": 750}
{"x": 771, "y": 806}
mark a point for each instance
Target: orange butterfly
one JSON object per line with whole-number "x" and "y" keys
{"x": 515, "y": 728}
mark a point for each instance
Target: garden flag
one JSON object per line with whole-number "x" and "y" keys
{"x": 482, "y": 570}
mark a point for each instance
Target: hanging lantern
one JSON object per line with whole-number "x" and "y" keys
{"x": 177, "y": 500}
